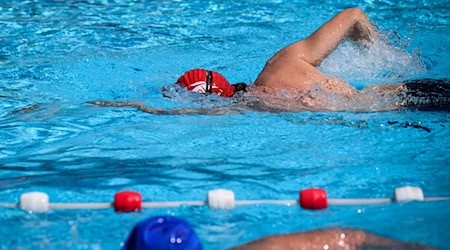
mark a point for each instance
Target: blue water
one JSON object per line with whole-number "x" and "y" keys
{"x": 60, "y": 55}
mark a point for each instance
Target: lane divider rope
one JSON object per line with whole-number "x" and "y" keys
{"x": 130, "y": 201}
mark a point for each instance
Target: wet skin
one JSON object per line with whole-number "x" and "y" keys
{"x": 334, "y": 238}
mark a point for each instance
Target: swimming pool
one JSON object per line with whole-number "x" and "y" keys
{"x": 62, "y": 55}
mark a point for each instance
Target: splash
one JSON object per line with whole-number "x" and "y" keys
{"x": 379, "y": 62}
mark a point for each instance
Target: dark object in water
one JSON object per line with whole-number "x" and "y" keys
{"x": 26, "y": 109}
{"x": 428, "y": 94}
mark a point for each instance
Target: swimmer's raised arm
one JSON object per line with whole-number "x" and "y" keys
{"x": 348, "y": 24}
{"x": 184, "y": 111}
{"x": 328, "y": 239}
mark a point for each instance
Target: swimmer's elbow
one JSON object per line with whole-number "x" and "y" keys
{"x": 355, "y": 12}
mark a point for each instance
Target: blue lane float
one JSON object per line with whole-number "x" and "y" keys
{"x": 131, "y": 201}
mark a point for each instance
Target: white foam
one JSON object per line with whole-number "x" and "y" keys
{"x": 380, "y": 62}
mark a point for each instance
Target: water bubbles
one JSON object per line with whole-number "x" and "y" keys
{"x": 380, "y": 62}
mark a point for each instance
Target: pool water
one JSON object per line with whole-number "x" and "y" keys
{"x": 60, "y": 55}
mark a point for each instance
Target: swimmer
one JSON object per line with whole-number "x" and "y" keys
{"x": 167, "y": 232}
{"x": 291, "y": 82}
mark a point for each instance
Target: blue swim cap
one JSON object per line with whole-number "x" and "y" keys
{"x": 163, "y": 232}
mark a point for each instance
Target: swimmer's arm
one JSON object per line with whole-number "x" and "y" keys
{"x": 184, "y": 111}
{"x": 327, "y": 239}
{"x": 351, "y": 23}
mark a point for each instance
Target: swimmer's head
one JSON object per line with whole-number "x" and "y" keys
{"x": 206, "y": 81}
{"x": 163, "y": 232}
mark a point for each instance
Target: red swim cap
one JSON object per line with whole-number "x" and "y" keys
{"x": 205, "y": 81}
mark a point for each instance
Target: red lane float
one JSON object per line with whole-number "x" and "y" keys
{"x": 313, "y": 198}
{"x": 127, "y": 201}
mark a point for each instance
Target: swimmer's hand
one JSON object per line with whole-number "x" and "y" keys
{"x": 186, "y": 111}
